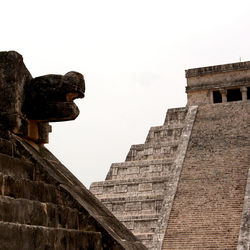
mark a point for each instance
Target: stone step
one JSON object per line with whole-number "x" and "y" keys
{"x": 134, "y": 205}
{"x": 140, "y": 224}
{"x": 164, "y": 133}
{"x": 134, "y": 198}
{"x": 30, "y": 212}
{"x": 34, "y": 190}
{"x": 20, "y": 169}
{"x": 149, "y": 151}
{"x": 140, "y": 169}
{"x": 119, "y": 188}
{"x": 144, "y": 236}
{"x": 175, "y": 116}
{"x": 146, "y": 239}
{"x": 29, "y": 237}
{"x": 131, "y": 211}
{"x": 16, "y": 168}
{"x": 27, "y": 189}
{"x": 7, "y": 147}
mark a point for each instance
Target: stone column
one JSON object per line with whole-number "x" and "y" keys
{"x": 224, "y": 95}
{"x": 211, "y": 99}
{"x": 243, "y": 93}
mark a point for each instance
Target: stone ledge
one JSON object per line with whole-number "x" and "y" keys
{"x": 47, "y": 214}
{"x": 217, "y": 69}
{"x": 16, "y": 167}
{"x": 130, "y": 181}
{"x": 38, "y": 237}
{"x": 166, "y": 127}
{"x": 219, "y": 85}
{"x": 136, "y": 197}
{"x": 137, "y": 169}
{"x": 152, "y": 145}
{"x": 140, "y": 163}
{"x": 27, "y": 189}
{"x": 148, "y": 217}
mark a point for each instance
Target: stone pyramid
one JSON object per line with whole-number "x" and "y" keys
{"x": 188, "y": 185}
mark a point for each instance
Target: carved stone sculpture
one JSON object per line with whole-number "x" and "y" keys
{"x": 42, "y": 204}
{"x": 28, "y": 104}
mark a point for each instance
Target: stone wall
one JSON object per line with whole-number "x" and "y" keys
{"x": 208, "y": 205}
{"x": 201, "y": 82}
{"x": 244, "y": 235}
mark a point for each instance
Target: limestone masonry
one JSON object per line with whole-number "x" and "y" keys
{"x": 188, "y": 185}
{"x": 42, "y": 205}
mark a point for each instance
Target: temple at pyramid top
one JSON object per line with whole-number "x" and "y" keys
{"x": 217, "y": 84}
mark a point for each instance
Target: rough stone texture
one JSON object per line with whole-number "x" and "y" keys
{"x": 13, "y": 78}
{"x": 26, "y": 237}
{"x": 28, "y": 104}
{"x": 209, "y": 201}
{"x": 42, "y": 205}
{"x": 173, "y": 183}
{"x": 202, "y": 81}
{"x": 189, "y": 181}
{"x": 244, "y": 236}
{"x": 135, "y": 190}
{"x": 50, "y": 98}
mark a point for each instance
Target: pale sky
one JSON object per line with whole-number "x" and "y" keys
{"x": 133, "y": 55}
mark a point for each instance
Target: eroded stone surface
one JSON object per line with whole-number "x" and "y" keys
{"x": 42, "y": 205}
{"x": 28, "y": 104}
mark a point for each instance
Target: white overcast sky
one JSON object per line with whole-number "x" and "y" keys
{"x": 133, "y": 55}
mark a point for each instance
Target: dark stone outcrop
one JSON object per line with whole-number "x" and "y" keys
{"x": 28, "y": 104}
{"x": 42, "y": 205}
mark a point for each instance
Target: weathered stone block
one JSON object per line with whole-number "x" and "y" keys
{"x": 133, "y": 206}
{"x": 120, "y": 207}
{"x": 145, "y": 187}
{"x": 26, "y": 237}
{"x": 148, "y": 205}
{"x": 133, "y": 170}
{"x": 121, "y": 188}
{"x": 132, "y": 188}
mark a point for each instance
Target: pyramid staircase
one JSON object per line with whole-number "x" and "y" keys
{"x": 186, "y": 186}
{"x": 134, "y": 190}
{"x": 33, "y": 211}
{"x": 43, "y": 206}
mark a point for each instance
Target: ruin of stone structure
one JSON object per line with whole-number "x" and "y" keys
{"x": 188, "y": 185}
{"x": 42, "y": 205}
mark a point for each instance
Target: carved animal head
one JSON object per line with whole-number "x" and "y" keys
{"x": 50, "y": 98}
{"x": 27, "y": 104}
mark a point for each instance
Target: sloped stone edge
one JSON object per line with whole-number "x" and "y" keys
{"x": 172, "y": 185}
{"x": 244, "y": 235}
